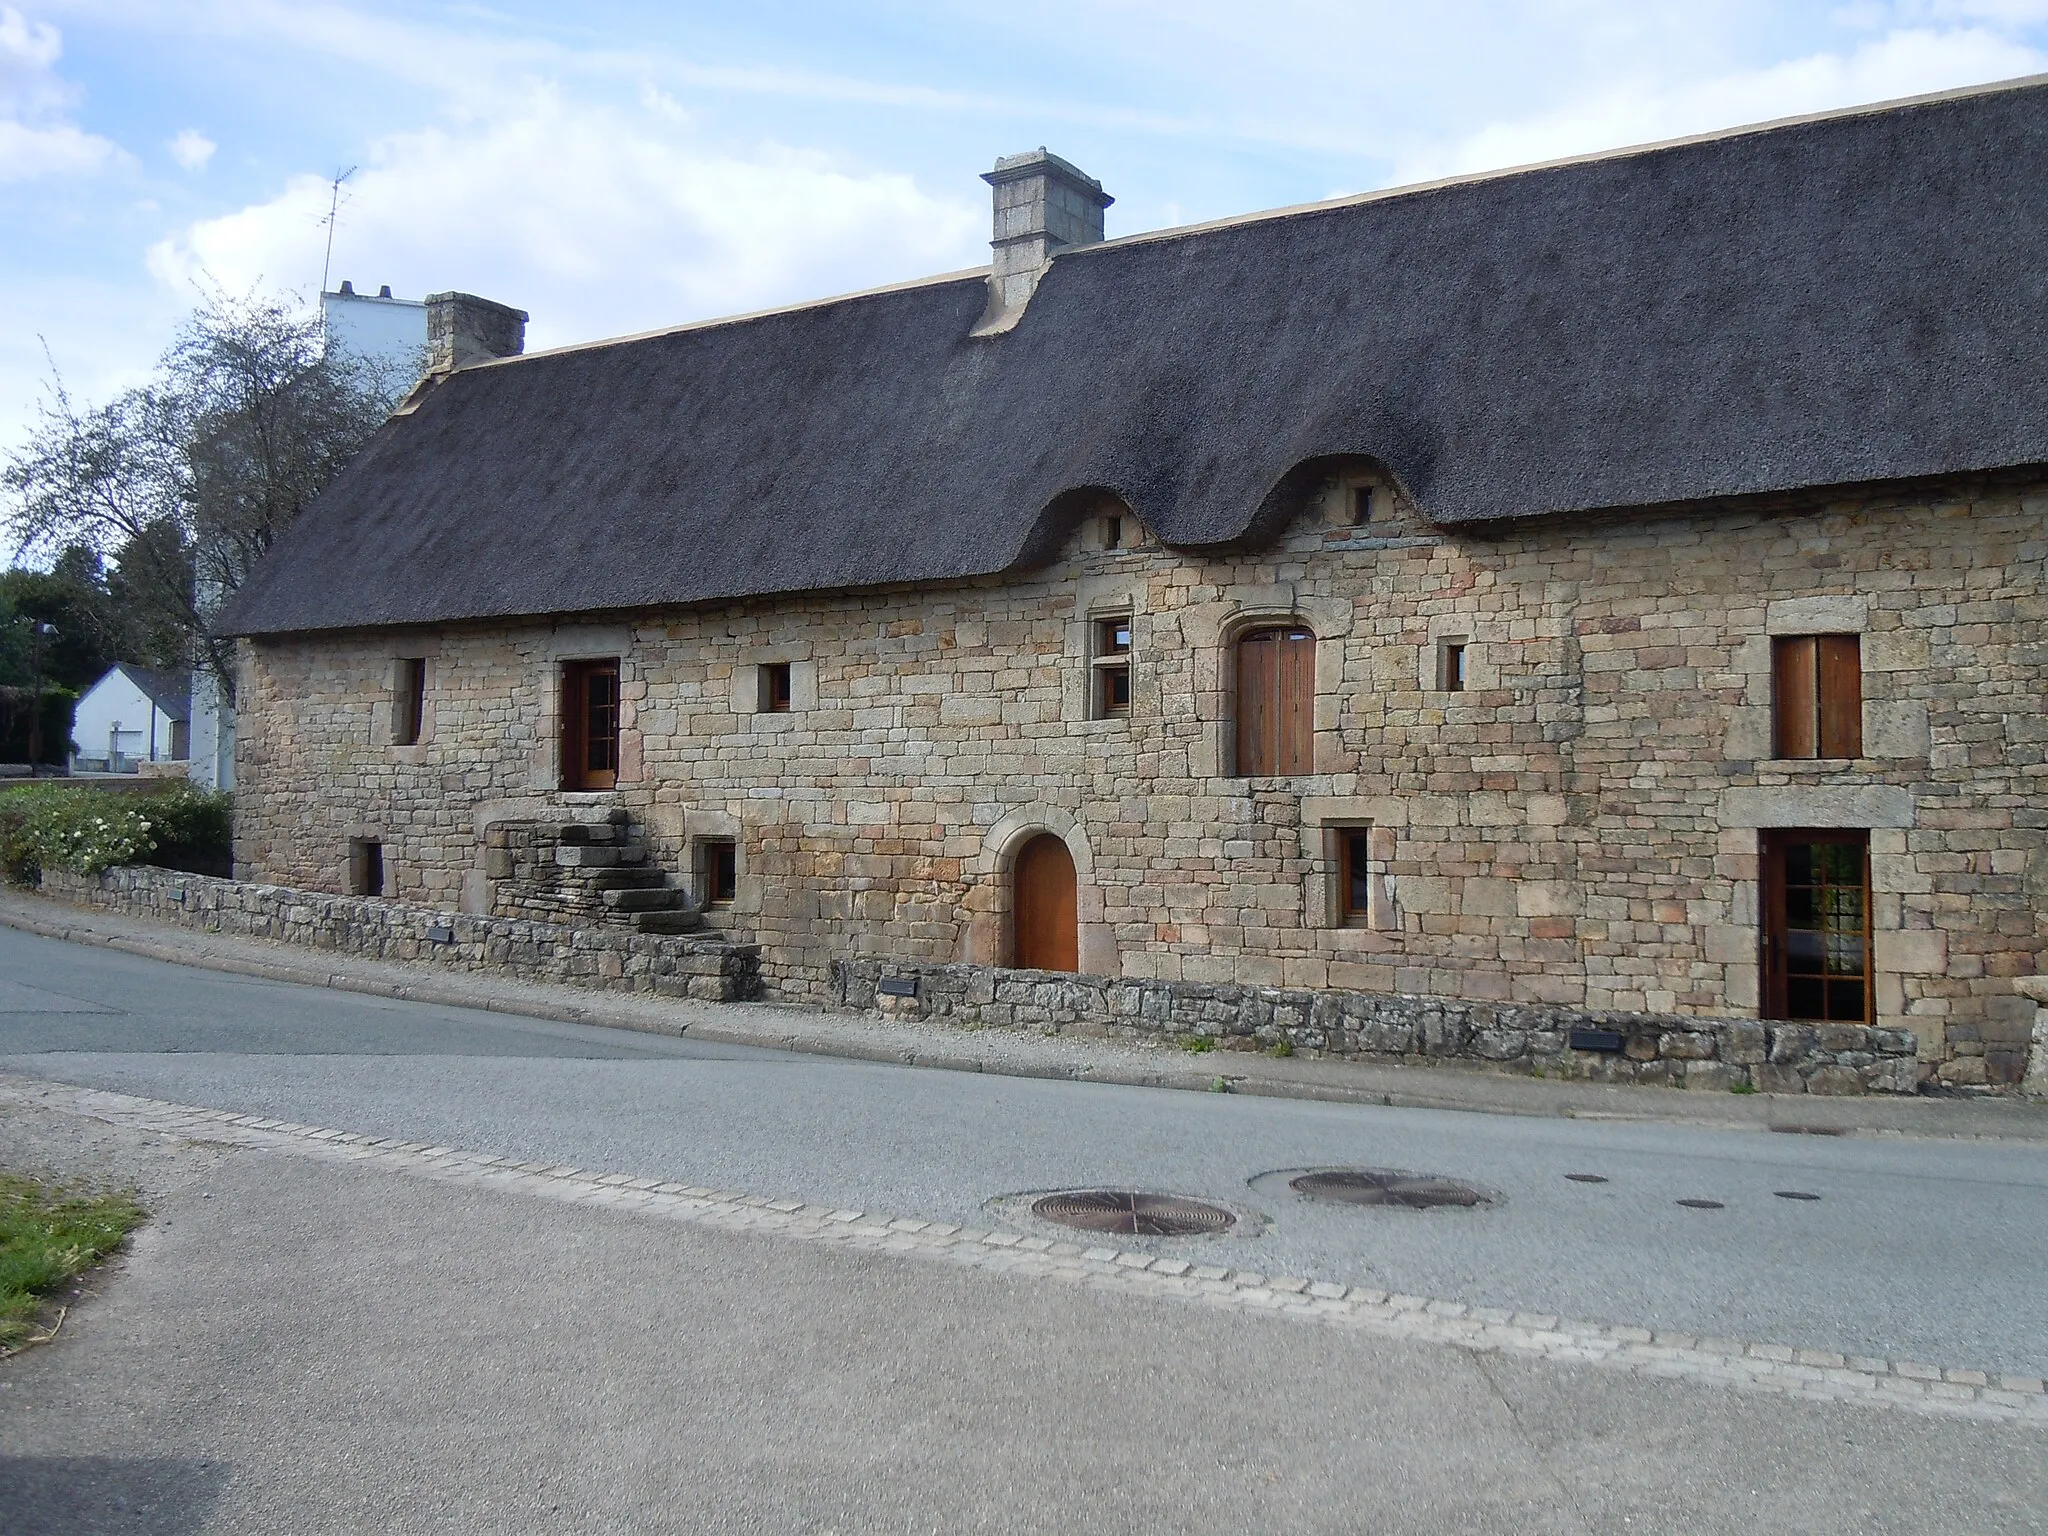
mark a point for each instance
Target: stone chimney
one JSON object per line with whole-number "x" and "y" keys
{"x": 1042, "y": 205}
{"x": 464, "y": 329}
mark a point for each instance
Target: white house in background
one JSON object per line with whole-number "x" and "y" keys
{"x": 132, "y": 715}
{"x": 390, "y": 333}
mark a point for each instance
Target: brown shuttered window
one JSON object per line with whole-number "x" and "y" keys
{"x": 1817, "y": 696}
{"x": 590, "y": 725}
{"x": 1276, "y": 702}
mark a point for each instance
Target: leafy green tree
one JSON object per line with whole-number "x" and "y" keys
{"x": 73, "y": 597}
{"x": 187, "y": 480}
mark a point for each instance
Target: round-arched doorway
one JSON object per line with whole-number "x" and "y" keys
{"x": 1044, "y": 920}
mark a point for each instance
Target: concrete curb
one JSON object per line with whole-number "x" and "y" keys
{"x": 1825, "y": 1375}
{"x": 1018, "y": 1053}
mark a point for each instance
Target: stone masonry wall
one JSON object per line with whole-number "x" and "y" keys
{"x": 1727, "y": 1054}
{"x": 607, "y": 960}
{"x": 1579, "y": 828}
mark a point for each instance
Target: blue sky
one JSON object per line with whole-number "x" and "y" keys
{"x": 612, "y": 166}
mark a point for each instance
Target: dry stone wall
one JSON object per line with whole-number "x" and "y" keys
{"x": 1578, "y": 829}
{"x": 1736, "y": 1055}
{"x": 603, "y": 959}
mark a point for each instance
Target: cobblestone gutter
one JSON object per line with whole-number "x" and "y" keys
{"x": 604, "y": 959}
{"x": 1394, "y": 1029}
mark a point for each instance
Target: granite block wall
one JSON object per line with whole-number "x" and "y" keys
{"x": 1579, "y": 828}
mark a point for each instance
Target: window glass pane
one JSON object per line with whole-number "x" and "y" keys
{"x": 1358, "y": 893}
{"x": 1116, "y": 689}
{"x": 1805, "y": 998}
{"x": 1841, "y": 862}
{"x": 1845, "y": 1002}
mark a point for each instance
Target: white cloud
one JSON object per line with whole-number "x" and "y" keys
{"x": 1642, "y": 109}
{"x": 34, "y": 138}
{"x": 192, "y": 149}
{"x": 595, "y": 219}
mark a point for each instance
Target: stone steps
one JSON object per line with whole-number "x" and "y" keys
{"x": 601, "y": 871}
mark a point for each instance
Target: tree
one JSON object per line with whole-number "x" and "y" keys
{"x": 72, "y": 596}
{"x": 189, "y": 479}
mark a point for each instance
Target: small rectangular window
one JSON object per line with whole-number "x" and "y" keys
{"x": 775, "y": 694}
{"x": 365, "y": 867}
{"x": 718, "y": 870}
{"x": 1111, "y": 665}
{"x": 1816, "y": 696}
{"x": 1354, "y": 874}
{"x": 1451, "y": 669}
{"x": 1361, "y": 505}
{"x": 409, "y": 701}
{"x": 1112, "y": 533}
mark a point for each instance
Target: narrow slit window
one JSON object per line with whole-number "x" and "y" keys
{"x": 1112, "y": 533}
{"x": 1817, "y": 696}
{"x": 409, "y": 701}
{"x": 1354, "y": 874}
{"x": 718, "y": 870}
{"x": 1112, "y": 668}
{"x": 1452, "y": 668}
{"x": 775, "y": 692}
{"x": 1361, "y": 505}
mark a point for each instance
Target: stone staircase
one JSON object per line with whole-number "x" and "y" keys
{"x": 592, "y": 869}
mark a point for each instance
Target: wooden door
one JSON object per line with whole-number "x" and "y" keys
{"x": 1043, "y": 915}
{"x": 1816, "y": 897}
{"x": 1276, "y": 702}
{"x": 590, "y": 725}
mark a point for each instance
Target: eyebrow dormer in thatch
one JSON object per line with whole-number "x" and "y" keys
{"x": 1856, "y": 297}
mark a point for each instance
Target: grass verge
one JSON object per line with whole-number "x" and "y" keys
{"x": 49, "y": 1235}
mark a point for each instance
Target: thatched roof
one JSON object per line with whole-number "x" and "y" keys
{"x": 1856, "y": 297}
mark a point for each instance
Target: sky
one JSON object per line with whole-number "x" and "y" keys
{"x": 614, "y": 167}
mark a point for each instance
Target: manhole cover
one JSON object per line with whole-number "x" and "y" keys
{"x": 1133, "y": 1213}
{"x": 1364, "y": 1186}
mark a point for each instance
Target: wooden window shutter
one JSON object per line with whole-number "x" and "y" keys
{"x": 1795, "y": 681}
{"x": 1297, "y": 704}
{"x": 1256, "y": 655}
{"x": 1841, "y": 696}
{"x": 1276, "y": 703}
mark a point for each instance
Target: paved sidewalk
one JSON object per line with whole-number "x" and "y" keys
{"x": 1022, "y": 1053}
{"x": 317, "y": 1333}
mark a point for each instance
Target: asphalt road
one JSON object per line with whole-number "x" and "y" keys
{"x": 1915, "y": 1250}
{"x": 311, "y": 1347}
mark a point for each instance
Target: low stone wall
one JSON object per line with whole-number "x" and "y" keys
{"x": 1725, "y": 1054}
{"x": 604, "y": 959}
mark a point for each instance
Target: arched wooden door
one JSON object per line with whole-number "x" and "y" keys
{"x": 1043, "y": 913}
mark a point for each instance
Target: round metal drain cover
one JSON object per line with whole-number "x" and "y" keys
{"x": 1365, "y": 1186}
{"x": 1133, "y": 1213}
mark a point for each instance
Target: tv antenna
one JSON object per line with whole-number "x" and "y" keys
{"x": 333, "y": 218}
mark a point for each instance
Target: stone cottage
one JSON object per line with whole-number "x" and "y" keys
{"x": 1607, "y": 587}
